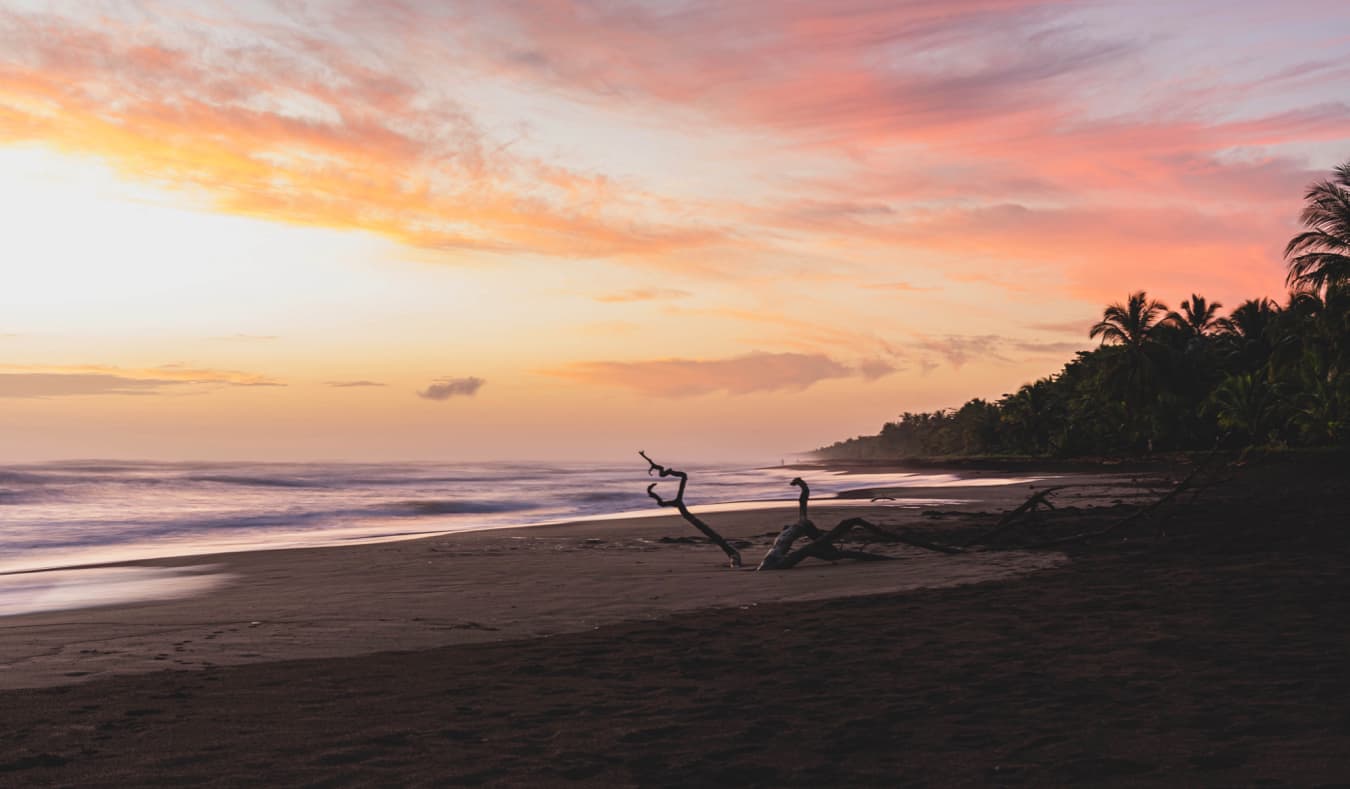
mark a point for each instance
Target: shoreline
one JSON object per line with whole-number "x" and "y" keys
{"x": 907, "y": 496}
{"x": 474, "y": 586}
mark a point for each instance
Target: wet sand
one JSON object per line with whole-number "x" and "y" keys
{"x": 1183, "y": 661}
{"x": 457, "y": 589}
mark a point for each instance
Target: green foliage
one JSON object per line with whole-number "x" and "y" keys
{"x": 1319, "y": 257}
{"x": 1265, "y": 375}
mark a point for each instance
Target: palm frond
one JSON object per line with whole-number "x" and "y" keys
{"x": 1319, "y": 257}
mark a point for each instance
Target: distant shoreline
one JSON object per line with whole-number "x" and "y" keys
{"x": 996, "y": 463}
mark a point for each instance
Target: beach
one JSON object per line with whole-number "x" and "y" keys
{"x": 491, "y": 585}
{"x": 599, "y": 653}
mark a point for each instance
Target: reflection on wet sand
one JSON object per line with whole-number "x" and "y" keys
{"x": 58, "y": 590}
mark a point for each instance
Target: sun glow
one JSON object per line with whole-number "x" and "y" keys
{"x": 268, "y": 230}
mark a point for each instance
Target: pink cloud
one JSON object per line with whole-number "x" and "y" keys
{"x": 970, "y": 130}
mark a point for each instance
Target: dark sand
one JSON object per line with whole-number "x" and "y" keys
{"x": 1214, "y": 656}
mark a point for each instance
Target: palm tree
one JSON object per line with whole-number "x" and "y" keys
{"x": 1248, "y": 333}
{"x": 1132, "y": 324}
{"x": 1247, "y": 407}
{"x": 1321, "y": 402}
{"x": 1197, "y": 317}
{"x": 1132, "y": 370}
{"x": 1320, "y": 255}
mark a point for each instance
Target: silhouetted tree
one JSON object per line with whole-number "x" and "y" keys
{"x": 1132, "y": 324}
{"x": 1262, "y": 374}
{"x": 1320, "y": 255}
{"x": 1197, "y": 317}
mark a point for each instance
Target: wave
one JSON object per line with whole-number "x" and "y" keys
{"x": 107, "y": 532}
{"x": 597, "y": 498}
{"x": 257, "y": 482}
{"x": 28, "y": 477}
{"x": 451, "y": 507}
{"x": 12, "y": 497}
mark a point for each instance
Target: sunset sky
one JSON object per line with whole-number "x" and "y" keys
{"x": 565, "y": 229}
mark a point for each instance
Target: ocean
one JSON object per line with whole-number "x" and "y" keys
{"x": 82, "y": 512}
{"x": 63, "y": 515}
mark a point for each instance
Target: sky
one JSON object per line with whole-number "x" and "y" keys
{"x": 572, "y": 229}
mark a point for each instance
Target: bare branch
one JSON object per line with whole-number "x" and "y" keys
{"x": 1015, "y": 517}
{"x": 1145, "y": 512}
{"x": 678, "y": 503}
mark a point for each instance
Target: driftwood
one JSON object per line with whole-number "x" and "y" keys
{"x": 1144, "y": 512}
{"x": 1016, "y": 517}
{"x": 785, "y": 553}
{"x": 678, "y": 503}
{"x": 822, "y": 544}
{"x": 781, "y": 556}
{"x": 782, "y": 544}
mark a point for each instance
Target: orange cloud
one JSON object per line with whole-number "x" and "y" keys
{"x": 298, "y": 131}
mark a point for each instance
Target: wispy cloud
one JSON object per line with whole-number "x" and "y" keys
{"x": 72, "y": 384}
{"x": 959, "y": 349}
{"x": 352, "y": 384}
{"x": 1079, "y": 327}
{"x": 843, "y": 72}
{"x": 99, "y": 380}
{"x": 446, "y": 388}
{"x": 875, "y": 368}
{"x": 1050, "y": 348}
{"x": 737, "y": 375}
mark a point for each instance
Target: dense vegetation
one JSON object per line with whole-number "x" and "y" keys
{"x": 1266, "y": 373}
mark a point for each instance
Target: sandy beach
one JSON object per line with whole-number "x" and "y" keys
{"x": 597, "y": 653}
{"x": 479, "y": 586}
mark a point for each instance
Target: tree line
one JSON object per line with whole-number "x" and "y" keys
{"x": 1266, "y": 373}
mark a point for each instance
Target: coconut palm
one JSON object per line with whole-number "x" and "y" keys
{"x": 1249, "y": 334}
{"x": 1320, "y": 255}
{"x": 1197, "y": 318}
{"x": 1247, "y": 407}
{"x": 1250, "y": 320}
{"x": 1321, "y": 401}
{"x": 1132, "y": 324}
{"x": 1133, "y": 367}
